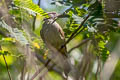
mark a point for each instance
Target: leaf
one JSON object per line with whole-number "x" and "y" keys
{"x": 101, "y": 44}
{"x": 77, "y": 19}
{"x": 104, "y": 54}
{"x": 15, "y": 33}
{"x": 8, "y": 39}
{"x": 2, "y": 52}
{"x": 30, "y": 6}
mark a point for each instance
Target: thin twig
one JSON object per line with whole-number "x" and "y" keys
{"x": 39, "y": 57}
{"x": 37, "y": 72}
{"x": 63, "y": 15}
{"x": 10, "y": 78}
{"x": 23, "y": 69}
{"x": 66, "y": 11}
{"x": 74, "y": 33}
{"x": 98, "y": 68}
{"x": 80, "y": 44}
{"x": 34, "y": 19}
{"x": 78, "y": 32}
{"x": 6, "y": 66}
{"x": 46, "y": 71}
{"x": 46, "y": 65}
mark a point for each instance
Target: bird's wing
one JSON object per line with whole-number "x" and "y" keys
{"x": 64, "y": 50}
{"x": 61, "y": 33}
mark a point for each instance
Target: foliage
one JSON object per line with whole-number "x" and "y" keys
{"x": 30, "y": 6}
{"x": 94, "y": 39}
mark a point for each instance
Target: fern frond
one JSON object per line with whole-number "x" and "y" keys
{"x": 15, "y": 33}
{"x": 30, "y": 6}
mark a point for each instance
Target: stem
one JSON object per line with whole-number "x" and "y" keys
{"x": 75, "y": 33}
{"x": 80, "y": 44}
{"x": 10, "y": 78}
{"x": 34, "y": 19}
{"x": 37, "y": 72}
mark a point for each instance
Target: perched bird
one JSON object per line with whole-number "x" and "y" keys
{"x": 52, "y": 33}
{"x": 53, "y": 36}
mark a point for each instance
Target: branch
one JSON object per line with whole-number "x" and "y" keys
{"x": 7, "y": 68}
{"x": 74, "y": 33}
{"x": 98, "y": 68}
{"x": 22, "y": 72}
{"x": 56, "y": 57}
{"x": 40, "y": 58}
{"x": 10, "y": 78}
{"x": 64, "y": 15}
{"x": 37, "y": 72}
{"x": 4, "y": 13}
{"x": 34, "y": 19}
{"x": 66, "y": 11}
{"x": 78, "y": 32}
{"x": 80, "y": 44}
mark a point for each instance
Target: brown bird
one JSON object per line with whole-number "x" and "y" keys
{"x": 53, "y": 36}
{"x": 52, "y": 33}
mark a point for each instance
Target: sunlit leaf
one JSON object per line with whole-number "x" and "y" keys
{"x": 30, "y": 6}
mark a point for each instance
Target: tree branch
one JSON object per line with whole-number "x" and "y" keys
{"x": 40, "y": 58}
{"x": 7, "y": 68}
{"x": 10, "y": 78}
{"x": 37, "y": 72}
{"x": 80, "y": 44}
{"x": 74, "y": 33}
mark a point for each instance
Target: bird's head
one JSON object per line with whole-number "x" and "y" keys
{"x": 53, "y": 15}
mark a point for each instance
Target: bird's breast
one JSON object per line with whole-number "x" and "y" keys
{"x": 52, "y": 35}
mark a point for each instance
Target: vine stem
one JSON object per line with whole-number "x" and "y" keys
{"x": 10, "y": 78}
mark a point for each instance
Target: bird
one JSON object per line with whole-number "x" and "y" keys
{"x": 53, "y": 36}
{"x": 52, "y": 33}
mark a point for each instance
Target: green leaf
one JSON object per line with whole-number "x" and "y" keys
{"x": 30, "y": 6}
{"x": 104, "y": 54}
{"x": 2, "y": 52}
{"x": 101, "y": 44}
{"x": 16, "y": 33}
